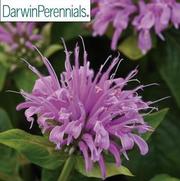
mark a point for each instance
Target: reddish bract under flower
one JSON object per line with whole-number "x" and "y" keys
{"x": 87, "y": 112}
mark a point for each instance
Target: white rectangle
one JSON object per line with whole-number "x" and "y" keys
{"x": 45, "y": 10}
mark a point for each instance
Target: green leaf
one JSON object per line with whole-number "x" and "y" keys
{"x": 37, "y": 149}
{"x": 49, "y": 175}
{"x": 6, "y": 177}
{"x": 5, "y": 152}
{"x": 46, "y": 33}
{"x": 129, "y": 47}
{"x": 168, "y": 62}
{"x": 3, "y": 59}
{"x": 164, "y": 149}
{"x": 67, "y": 169}
{"x": 52, "y": 49}
{"x": 76, "y": 176}
{"x": 111, "y": 169}
{"x": 3, "y": 73}
{"x": 9, "y": 101}
{"x": 164, "y": 177}
{"x": 154, "y": 120}
{"x": 68, "y": 31}
{"x": 5, "y": 122}
{"x": 24, "y": 79}
{"x": 8, "y": 162}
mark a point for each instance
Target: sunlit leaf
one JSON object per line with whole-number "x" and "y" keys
{"x": 46, "y": 33}
{"x": 111, "y": 169}
{"x": 52, "y": 49}
{"x": 129, "y": 47}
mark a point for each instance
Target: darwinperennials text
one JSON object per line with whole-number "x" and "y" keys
{"x": 41, "y": 10}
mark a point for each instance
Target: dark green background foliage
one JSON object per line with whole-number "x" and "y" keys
{"x": 30, "y": 158}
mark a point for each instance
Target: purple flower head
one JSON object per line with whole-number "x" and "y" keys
{"x": 175, "y": 11}
{"x": 18, "y": 37}
{"x": 87, "y": 112}
{"x": 156, "y": 15}
{"x": 115, "y": 12}
{"x": 152, "y": 15}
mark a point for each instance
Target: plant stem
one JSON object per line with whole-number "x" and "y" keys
{"x": 68, "y": 166}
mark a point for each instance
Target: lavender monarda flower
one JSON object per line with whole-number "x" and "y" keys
{"x": 115, "y": 12}
{"x": 19, "y": 36}
{"x": 145, "y": 17}
{"x": 155, "y": 15}
{"x": 91, "y": 114}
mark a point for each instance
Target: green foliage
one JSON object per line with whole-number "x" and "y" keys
{"x": 24, "y": 79}
{"x": 163, "y": 153}
{"x": 154, "y": 121}
{"x": 129, "y": 48}
{"x": 8, "y": 158}
{"x": 49, "y": 50}
{"x": 37, "y": 149}
{"x": 3, "y": 58}
{"x": 5, "y": 122}
{"x": 3, "y": 71}
{"x": 5, "y": 177}
{"x": 68, "y": 31}
{"x": 168, "y": 62}
{"x": 76, "y": 176}
{"x": 52, "y": 49}
{"x": 164, "y": 177}
{"x": 46, "y": 33}
{"x": 49, "y": 175}
{"x": 111, "y": 169}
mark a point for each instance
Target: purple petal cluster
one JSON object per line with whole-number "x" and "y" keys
{"x": 154, "y": 15}
{"x": 18, "y": 36}
{"x": 93, "y": 114}
{"x": 115, "y": 12}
